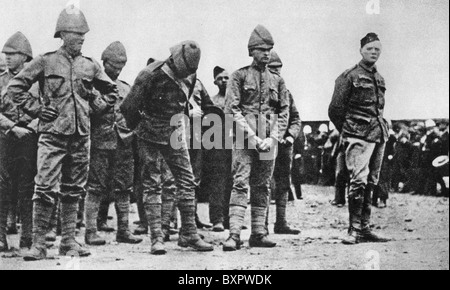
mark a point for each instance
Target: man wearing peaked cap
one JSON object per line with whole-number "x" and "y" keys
{"x": 356, "y": 110}
{"x": 112, "y": 164}
{"x": 283, "y": 163}
{"x": 72, "y": 85}
{"x": 255, "y": 92}
{"x": 154, "y": 109}
{"x": 18, "y": 145}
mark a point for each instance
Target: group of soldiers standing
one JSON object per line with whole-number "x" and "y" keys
{"x": 70, "y": 128}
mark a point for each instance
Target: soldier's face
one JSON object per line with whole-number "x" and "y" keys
{"x": 113, "y": 69}
{"x": 261, "y": 55}
{"x": 14, "y": 61}
{"x": 73, "y": 41}
{"x": 222, "y": 80}
{"x": 371, "y": 52}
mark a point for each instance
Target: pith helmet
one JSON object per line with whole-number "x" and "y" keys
{"x": 186, "y": 57}
{"x": 18, "y": 43}
{"x": 260, "y": 38}
{"x": 71, "y": 19}
{"x": 115, "y": 52}
{"x": 275, "y": 60}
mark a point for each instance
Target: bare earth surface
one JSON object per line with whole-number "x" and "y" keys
{"x": 419, "y": 226}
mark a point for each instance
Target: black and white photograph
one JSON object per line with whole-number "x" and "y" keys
{"x": 254, "y": 135}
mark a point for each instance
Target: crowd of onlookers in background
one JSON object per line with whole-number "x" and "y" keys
{"x": 408, "y": 164}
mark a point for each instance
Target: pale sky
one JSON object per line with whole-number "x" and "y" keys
{"x": 316, "y": 39}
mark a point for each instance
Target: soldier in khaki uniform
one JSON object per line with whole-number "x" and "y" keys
{"x": 356, "y": 110}
{"x": 112, "y": 163}
{"x": 222, "y": 179}
{"x": 221, "y": 77}
{"x": 65, "y": 79}
{"x": 160, "y": 93}
{"x": 199, "y": 104}
{"x": 283, "y": 163}
{"x": 18, "y": 145}
{"x": 254, "y": 92}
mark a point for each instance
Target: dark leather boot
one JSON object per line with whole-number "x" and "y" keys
{"x": 122, "y": 205}
{"x": 339, "y": 196}
{"x": 92, "y": 238}
{"x": 367, "y": 236}
{"x": 233, "y": 243}
{"x": 367, "y": 206}
{"x": 153, "y": 212}
{"x": 194, "y": 241}
{"x": 69, "y": 246}
{"x": 200, "y": 224}
{"x": 126, "y": 237}
{"x": 355, "y": 209}
{"x": 189, "y": 236}
{"x": 158, "y": 247}
{"x": 260, "y": 241}
{"x": 141, "y": 230}
{"x": 92, "y": 204}
{"x": 259, "y": 237}
{"x": 284, "y": 229}
{"x": 103, "y": 227}
{"x": 218, "y": 227}
{"x": 353, "y": 237}
{"x": 42, "y": 212}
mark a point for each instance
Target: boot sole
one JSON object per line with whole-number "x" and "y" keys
{"x": 186, "y": 245}
{"x": 159, "y": 252}
{"x": 79, "y": 255}
{"x": 129, "y": 241}
{"x": 350, "y": 243}
{"x": 230, "y": 249}
{"x": 201, "y": 249}
{"x": 372, "y": 241}
{"x": 138, "y": 233}
{"x": 96, "y": 243}
{"x": 262, "y": 246}
{"x": 32, "y": 259}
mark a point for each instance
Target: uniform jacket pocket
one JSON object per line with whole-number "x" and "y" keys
{"x": 357, "y": 126}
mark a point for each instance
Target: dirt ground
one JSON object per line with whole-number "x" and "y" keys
{"x": 419, "y": 226}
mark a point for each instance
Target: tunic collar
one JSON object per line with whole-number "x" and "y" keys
{"x": 364, "y": 66}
